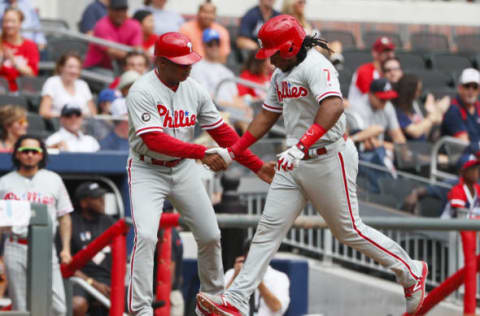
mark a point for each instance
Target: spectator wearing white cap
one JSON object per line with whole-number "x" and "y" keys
{"x": 462, "y": 120}
{"x": 70, "y": 136}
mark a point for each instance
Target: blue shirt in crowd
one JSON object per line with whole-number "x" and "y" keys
{"x": 404, "y": 121}
{"x": 252, "y": 21}
{"x": 94, "y": 12}
{"x": 458, "y": 120}
{"x": 31, "y": 20}
{"x": 113, "y": 142}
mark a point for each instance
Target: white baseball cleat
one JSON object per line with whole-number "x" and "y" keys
{"x": 216, "y": 305}
{"x": 415, "y": 294}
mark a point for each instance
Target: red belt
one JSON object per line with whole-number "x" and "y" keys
{"x": 165, "y": 163}
{"x": 22, "y": 241}
{"x": 322, "y": 150}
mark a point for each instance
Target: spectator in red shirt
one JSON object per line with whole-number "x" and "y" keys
{"x": 115, "y": 27}
{"x": 145, "y": 18}
{"x": 382, "y": 49}
{"x": 258, "y": 71}
{"x": 18, "y": 56}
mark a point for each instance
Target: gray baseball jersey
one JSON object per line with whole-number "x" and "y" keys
{"x": 46, "y": 187}
{"x": 152, "y": 106}
{"x": 297, "y": 95}
{"x": 328, "y": 181}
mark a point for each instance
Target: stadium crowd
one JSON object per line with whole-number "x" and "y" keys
{"x": 393, "y": 108}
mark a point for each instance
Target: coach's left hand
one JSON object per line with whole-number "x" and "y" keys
{"x": 267, "y": 172}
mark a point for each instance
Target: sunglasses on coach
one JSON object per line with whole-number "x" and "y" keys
{"x": 30, "y": 150}
{"x": 473, "y": 86}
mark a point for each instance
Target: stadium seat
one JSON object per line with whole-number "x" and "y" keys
{"x": 55, "y": 23}
{"x": 36, "y": 125}
{"x": 425, "y": 41}
{"x": 370, "y": 37}
{"x": 399, "y": 188}
{"x": 3, "y": 86}
{"x": 468, "y": 43}
{"x": 440, "y": 92}
{"x": 430, "y": 207}
{"x": 31, "y": 86}
{"x": 410, "y": 60}
{"x": 59, "y": 46}
{"x": 433, "y": 79}
{"x": 345, "y": 37}
{"x": 355, "y": 58}
{"x": 14, "y": 100}
{"x": 450, "y": 63}
{"x": 345, "y": 78}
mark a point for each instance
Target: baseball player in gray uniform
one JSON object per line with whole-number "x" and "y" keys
{"x": 164, "y": 105}
{"x": 31, "y": 182}
{"x": 320, "y": 166}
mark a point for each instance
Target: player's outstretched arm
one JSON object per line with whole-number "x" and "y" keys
{"x": 260, "y": 125}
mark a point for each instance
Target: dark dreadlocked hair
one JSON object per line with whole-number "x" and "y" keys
{"x": 310, "y": 42}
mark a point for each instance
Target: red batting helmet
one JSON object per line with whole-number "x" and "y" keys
{"x": 282, "y": 33}
{"x": 177, "y": 48}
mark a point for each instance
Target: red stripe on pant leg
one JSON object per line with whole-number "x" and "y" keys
{"x": 135, "y": 237}
{"x": 355, "y": 226}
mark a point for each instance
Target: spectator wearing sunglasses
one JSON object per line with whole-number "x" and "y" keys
{"x": 392, "y": 70}
{"x": 70, "y": 137}
{"x": 462, "y": 119}
{"x": 13, "y": 124}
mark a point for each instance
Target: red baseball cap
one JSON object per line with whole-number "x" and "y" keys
{"x": 471, "y": 162}
{"x": 382, "y": 44}
{"x": 382, "y": 89}
{"x": 177, "y": 48}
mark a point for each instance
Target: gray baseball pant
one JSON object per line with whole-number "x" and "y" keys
{"x": 329, "y": 182}
{"x": 15, "y": 256}
{"x": 150, "y": 185}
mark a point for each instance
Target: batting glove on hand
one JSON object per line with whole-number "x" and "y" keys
{"x": 290, "y": 158}
{"x": 222, "y": 152}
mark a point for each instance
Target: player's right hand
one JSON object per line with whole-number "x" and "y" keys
{"x": 214, "y": 162}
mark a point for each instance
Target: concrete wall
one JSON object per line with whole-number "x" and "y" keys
{"x": 383, "y": 11}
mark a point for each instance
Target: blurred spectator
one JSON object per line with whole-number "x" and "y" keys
{"x": 18, "y": 56}
{"x": 70, "y": 137}
{"x": 117, "y": 139}
{"x": 66, "y": 87}
{"x": 296, "y": 8}
{"x": 100, "y": 126}
{"x": 392, "y": 69}
{"x": 177, "y": 303}
{"x": 89, "y": 222}
{"x": 207, "y": 13}
{"x": 251, "y": 23}
{"x": 93, "y": 12}
{"x": 210, "y": 72}
{"x": 13, "y": 123}
{"x": 104, "y": 101}
{"x": 258, "y": 71}
{"x": 116, "y": 26}
{"x": 134, "y": 61}
{"x": 145, "y": 18}
{"x": 463, "y": 202}
{"x": 412, "y": 122}
{"x": 272, "y": 296}
{"x": 3, "y": 275}
{"x": 232, "y": 238}
{"x": 382, "y": 49}
{"x": 31, "y": 20}
{"x": 368, "y": 125}
{"x": 461, "y": 120}
{"x": 29, "y": 181}
{"x": 164, "y": 20}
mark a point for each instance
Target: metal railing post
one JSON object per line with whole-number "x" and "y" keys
{"x": 39, "y": 262}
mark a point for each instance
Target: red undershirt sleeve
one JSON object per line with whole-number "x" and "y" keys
{"x": 168, "y": 145}
{"x": 225, "y": 136}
